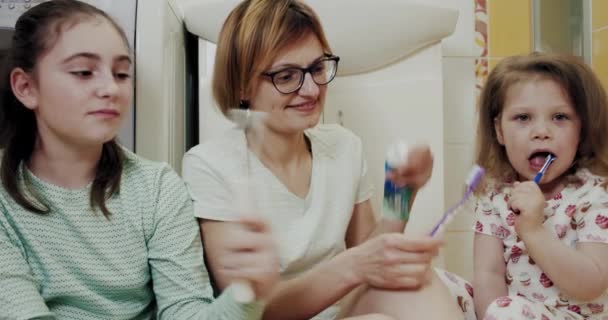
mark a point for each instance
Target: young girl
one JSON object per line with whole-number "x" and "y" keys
{"x": 541, "y": 250}
{"x": 89, "y": 230}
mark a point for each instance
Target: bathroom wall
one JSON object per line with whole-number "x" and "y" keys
{"x": 487, "y": 31}
{"x": 599, "y": 33}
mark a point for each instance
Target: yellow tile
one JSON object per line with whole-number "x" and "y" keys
{"x": 600, "y": 55}
{"x": 510, "y": 30}
{"x": 599, "y": 14}
{"x": 492, "y": 63}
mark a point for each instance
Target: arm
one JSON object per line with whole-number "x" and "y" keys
{"x": 326, "y": 283}
{"x": 490, "y": 268}
{"x": 180, "y": 280}
{"x": 393, "y": 225}
{"x": 582, "y": 272}
{"x": 20, "y": 296}
{"x": 390, "y": 261}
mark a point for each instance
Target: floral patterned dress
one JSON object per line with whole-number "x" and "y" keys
{"x": 579, "y": 213}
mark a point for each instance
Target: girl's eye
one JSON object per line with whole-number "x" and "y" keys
{"x": 522, "y": 117}
{"x": 122, "y": 75}
{"x": 560, "y": 117}
{"x": 82, "y": 73}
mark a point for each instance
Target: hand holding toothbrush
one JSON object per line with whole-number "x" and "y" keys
{"x": 414, "y": 168}
{"x": 528, "y": 202}
{"x": 250, "y": 261}
{"x": 407, "y": 169}
{"x": 393, "y": 261}
{"x": 246, "y": 257}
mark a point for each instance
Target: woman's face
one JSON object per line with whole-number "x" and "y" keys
{"x": 83, "y": 86}
{"x": 292, "y": 112}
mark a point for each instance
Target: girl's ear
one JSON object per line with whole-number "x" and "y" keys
{"x": 24, "y": 88}
{"x": 498, "y": 129}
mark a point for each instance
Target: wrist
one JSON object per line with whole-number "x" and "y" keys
{"x": 348, "y": 266}
{"x": 529, "y": 234}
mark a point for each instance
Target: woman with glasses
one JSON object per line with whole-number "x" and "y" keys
{"x": 308, "y": 180}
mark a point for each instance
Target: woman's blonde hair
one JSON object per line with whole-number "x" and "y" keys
{"x": 251, "y": 38}
{"x": 581, "y": 86}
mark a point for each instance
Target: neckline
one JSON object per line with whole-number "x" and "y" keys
{"x": 314, "y": 151}
{"x": 41, "y": 184}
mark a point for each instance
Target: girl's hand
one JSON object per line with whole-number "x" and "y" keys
{"x": 249, "y": 254}
{"x": 528, "y": 203}
{"x": 395, "y": 261}
{"x": 416, "y": 169}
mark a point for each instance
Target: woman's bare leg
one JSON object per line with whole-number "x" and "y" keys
{"x": 375, "y": 316}
{"x": 431, "y": 302}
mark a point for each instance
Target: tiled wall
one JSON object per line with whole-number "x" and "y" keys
{"x": 599, "y": 21}
{"x": 490, "y": 24}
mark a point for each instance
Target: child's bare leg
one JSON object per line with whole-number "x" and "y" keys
{"x": 432, "y": 302}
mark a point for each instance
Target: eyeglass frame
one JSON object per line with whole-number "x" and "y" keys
{"x": 326, "y": 57}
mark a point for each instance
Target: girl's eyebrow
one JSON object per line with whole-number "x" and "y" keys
{"x": 96, "y": 57}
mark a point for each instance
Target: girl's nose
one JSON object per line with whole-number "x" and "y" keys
{"x": 541, "y": 131}
{"x": 107, "y": 85}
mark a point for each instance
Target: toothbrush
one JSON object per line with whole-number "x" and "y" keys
{"x": 244, "y": 119}
{"x": 543, "y": 169}
{"x": 472, "y": 181}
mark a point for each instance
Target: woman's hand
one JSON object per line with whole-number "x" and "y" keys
{"x": 395, "y": 261}
{"x": 248, "y": 253}
{"x": 416, "y": 169}
{"x": 528, "y": 203}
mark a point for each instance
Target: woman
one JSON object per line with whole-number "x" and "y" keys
{"x": 311, "y": 183}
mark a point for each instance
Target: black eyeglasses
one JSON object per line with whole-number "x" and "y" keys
{"x": 290, "y": 80}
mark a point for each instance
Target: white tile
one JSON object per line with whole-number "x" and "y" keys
{"x": 457, "y": 164}
{"x": 459, "y": 100}
{"x": 458, "y": 253}
{"x": 462, "y": 42}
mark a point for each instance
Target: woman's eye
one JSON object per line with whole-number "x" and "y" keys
{"x": 320, "y": 68}
{"x": 285, "y": 76}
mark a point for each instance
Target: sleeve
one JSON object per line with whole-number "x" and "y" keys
{"x": 487, "y": 219}
{"x": 591, "y": 217}
{"x": 211, "y": 194}
{"x": 20, "y": 296}
{"x": 365, "y": 190}
{"x": 180, "y": 280}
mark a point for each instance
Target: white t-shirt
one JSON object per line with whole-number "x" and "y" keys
{"x": 225, "y": 179}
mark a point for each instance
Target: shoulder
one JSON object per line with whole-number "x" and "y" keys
{"x": 334, "y": 139}
{"x": 586, "y": 177}
{"x": 590, "y": 186}
{"x": 225, "y": 151}
{"x": 147, "y": 177}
